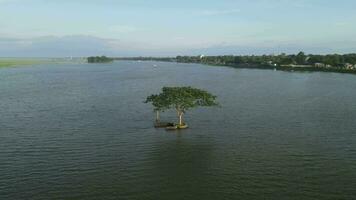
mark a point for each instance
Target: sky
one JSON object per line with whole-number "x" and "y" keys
{"x": 57, "y": 28}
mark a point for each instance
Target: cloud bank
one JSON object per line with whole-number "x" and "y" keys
{"x": 53, "y": 46}
{"x": 83, "y": 45}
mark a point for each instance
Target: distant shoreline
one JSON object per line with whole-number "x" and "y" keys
{"x": 265, "y": 67}
{"x": 286, "y": 68}
{"x": 309, "y": 63}
{"x": 14, "y": 62}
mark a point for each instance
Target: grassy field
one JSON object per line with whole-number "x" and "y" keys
{"x": 14, "y": 62}
{"x": 9, "y": 62}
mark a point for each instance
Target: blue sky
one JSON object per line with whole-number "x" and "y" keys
{"x": 165, "y": 27}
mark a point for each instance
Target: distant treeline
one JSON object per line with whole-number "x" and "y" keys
{"x": 99, "y": 59}
{"x": 164, "y": 59}
{"x": 345, "y": 63}
{"x": 333, "y": 60}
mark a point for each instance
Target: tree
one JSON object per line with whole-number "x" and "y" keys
{"x": 287, "y": 60}
{"x": 99, "y": 59}
{"x": 159, "y": 103}
{"x": 181, "y": 99}
{"x": 300, "y": 58}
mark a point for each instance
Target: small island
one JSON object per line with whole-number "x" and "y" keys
{"x": 180, "y": 99}
{"x": 99, "y": 59}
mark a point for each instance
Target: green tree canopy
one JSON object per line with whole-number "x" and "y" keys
{"x": 158, "y": 101}
{"x": 181, "y": 99}
{"x": 99, "y": 59}
{"x": 301, "y": 58}
{"x": 185, "y": 98}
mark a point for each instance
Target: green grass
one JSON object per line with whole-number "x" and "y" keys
{"x": 9, "y": 62}
{"x": 15, "y": 62}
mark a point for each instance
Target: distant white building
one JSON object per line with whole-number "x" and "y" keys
{"x": 349, "y": 66}
{"x": 272, "y": 64}
{"x": 202, "y": 56}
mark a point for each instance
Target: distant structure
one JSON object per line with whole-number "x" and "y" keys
{"x": 202, "y": 56}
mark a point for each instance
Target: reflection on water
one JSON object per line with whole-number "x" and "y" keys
{"x": 78, "y": 131}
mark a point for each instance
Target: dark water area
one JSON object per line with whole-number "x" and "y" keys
{"x": 82, "y": 131}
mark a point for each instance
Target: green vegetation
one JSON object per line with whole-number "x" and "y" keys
{"x": 163, "y": 59}
{"x": 8, "y": 62}
{"x": 160, "y": 104}
{"x": 334, "y": 60}
{"x": 14, "y": 62}
{"x": 300, "y": 62}
{"x": 99, "y": 59}
{"x": 181, "y": 99}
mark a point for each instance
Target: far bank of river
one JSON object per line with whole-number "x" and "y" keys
{"x": 14, "y": 62}
{"x": 291, "y": 68}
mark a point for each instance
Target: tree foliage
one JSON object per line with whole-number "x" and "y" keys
{"x": 158, "y": 101}
{"x": 181, "y": 99}
{"x": 185, "y": 98}
{"x": 334, "y": 60}
{"x": 99, "y": 59}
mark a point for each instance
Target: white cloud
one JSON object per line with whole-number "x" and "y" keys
{"x": 217, "y": 12}
{"x": 343, "y": 24}
{"x": 76, "y": 45}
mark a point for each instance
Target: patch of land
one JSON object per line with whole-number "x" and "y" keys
{"x": 16, "y": 62}
{"x": 11, "y": 62}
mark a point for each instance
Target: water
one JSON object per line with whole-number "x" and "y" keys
{"x": 82, "y": 131}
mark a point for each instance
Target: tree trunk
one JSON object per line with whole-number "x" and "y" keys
{"x": 180, "y": 118}
{"x": 180, "y": 113}
{"x": 157, "y": 116}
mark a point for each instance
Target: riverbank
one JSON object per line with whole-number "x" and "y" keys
{"x": 289, "y": 68}
{"x": 338, "y": 63}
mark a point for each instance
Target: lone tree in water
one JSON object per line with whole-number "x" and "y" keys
{"x": 181, "y": 99}
{"x": 159, "y": 103}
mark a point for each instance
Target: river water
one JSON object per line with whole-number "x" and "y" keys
{"x": 82, "y": 131}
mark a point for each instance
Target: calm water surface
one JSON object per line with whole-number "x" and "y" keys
{"x": 82, "y": 131}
